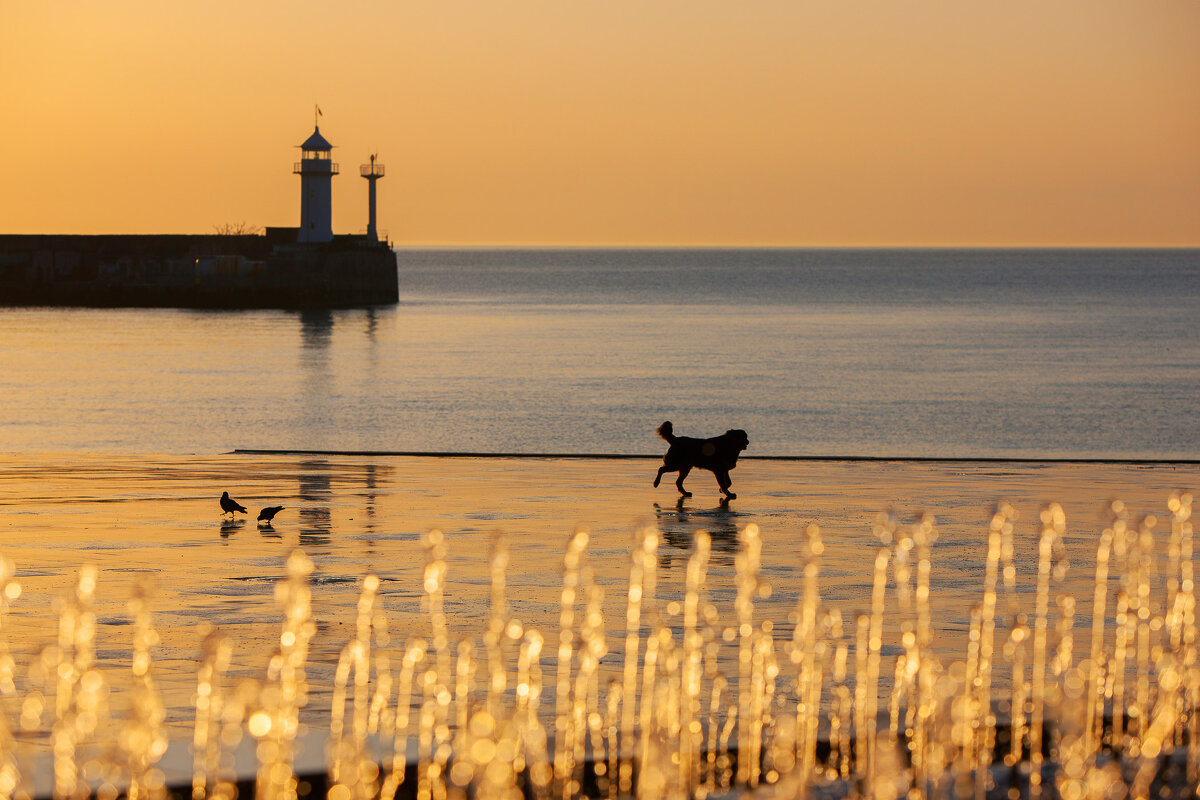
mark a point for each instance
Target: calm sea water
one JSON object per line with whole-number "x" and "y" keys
{"x": 1044, "y": 353}
{"x": 883, "y": 353}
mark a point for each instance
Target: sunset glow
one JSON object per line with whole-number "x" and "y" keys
{"x": 777, "y": 122}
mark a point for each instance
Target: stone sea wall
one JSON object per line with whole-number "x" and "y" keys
{"x": 195, "y": 271}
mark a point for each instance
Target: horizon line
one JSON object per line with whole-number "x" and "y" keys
{"x": 700, "y": 245}
{"x": 551, "y": 246}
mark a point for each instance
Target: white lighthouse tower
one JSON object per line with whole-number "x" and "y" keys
{"x": 372, "y": 172}
{"x": 316, "y": 170}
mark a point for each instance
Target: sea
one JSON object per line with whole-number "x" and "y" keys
{"x": 905, "y": 353}
{"x": 118, "y": 429}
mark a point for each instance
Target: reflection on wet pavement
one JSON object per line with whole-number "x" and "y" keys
{"x": 157, "y": 519}
{"x": 315, "y": 494}
{"x": 680, "y": 523}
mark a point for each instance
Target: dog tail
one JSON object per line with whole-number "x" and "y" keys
{"x": 667, "y": 431}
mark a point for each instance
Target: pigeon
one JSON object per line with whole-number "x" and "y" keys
{"x": 269, "y": 513}
{"x": 229, "y": 505}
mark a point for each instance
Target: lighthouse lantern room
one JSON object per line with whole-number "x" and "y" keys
{"x": 316, "y": 169}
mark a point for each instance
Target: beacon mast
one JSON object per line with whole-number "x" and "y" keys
{"x": 372, "y": 172}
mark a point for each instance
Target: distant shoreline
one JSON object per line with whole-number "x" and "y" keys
{"x": 402, "y": 248}
{"x": 645, "y": 456}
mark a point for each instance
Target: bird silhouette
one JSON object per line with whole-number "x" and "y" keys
{"x": 269, "y": 513}
{"x": 229, "y": 505}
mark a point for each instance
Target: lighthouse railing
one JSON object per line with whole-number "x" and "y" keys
{"x": 314, "y": 165}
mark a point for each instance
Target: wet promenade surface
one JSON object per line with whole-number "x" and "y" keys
{"x": 157, "y": 519}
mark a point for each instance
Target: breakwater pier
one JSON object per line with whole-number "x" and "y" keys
{"x": 302, "y": 267}
{"x": 269, "y": 270}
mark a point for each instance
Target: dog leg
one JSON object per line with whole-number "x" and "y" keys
{"x": 661, "y": 471}
{"x": 724, "y": 481}
{"x": 683, "y": 473}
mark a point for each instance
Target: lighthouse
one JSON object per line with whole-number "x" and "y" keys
{"x": 372, "y": 172}
{"x": 316, "y": 170}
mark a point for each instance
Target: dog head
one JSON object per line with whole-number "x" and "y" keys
{"x": 737, "y": 439}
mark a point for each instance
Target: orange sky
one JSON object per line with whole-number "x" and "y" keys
{"x": 614, "y": 122}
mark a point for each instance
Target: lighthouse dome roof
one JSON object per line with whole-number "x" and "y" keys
{"x": 316, "y": 141}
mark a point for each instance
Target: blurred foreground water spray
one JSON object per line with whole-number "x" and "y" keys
{"x": 816, "y": 708}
